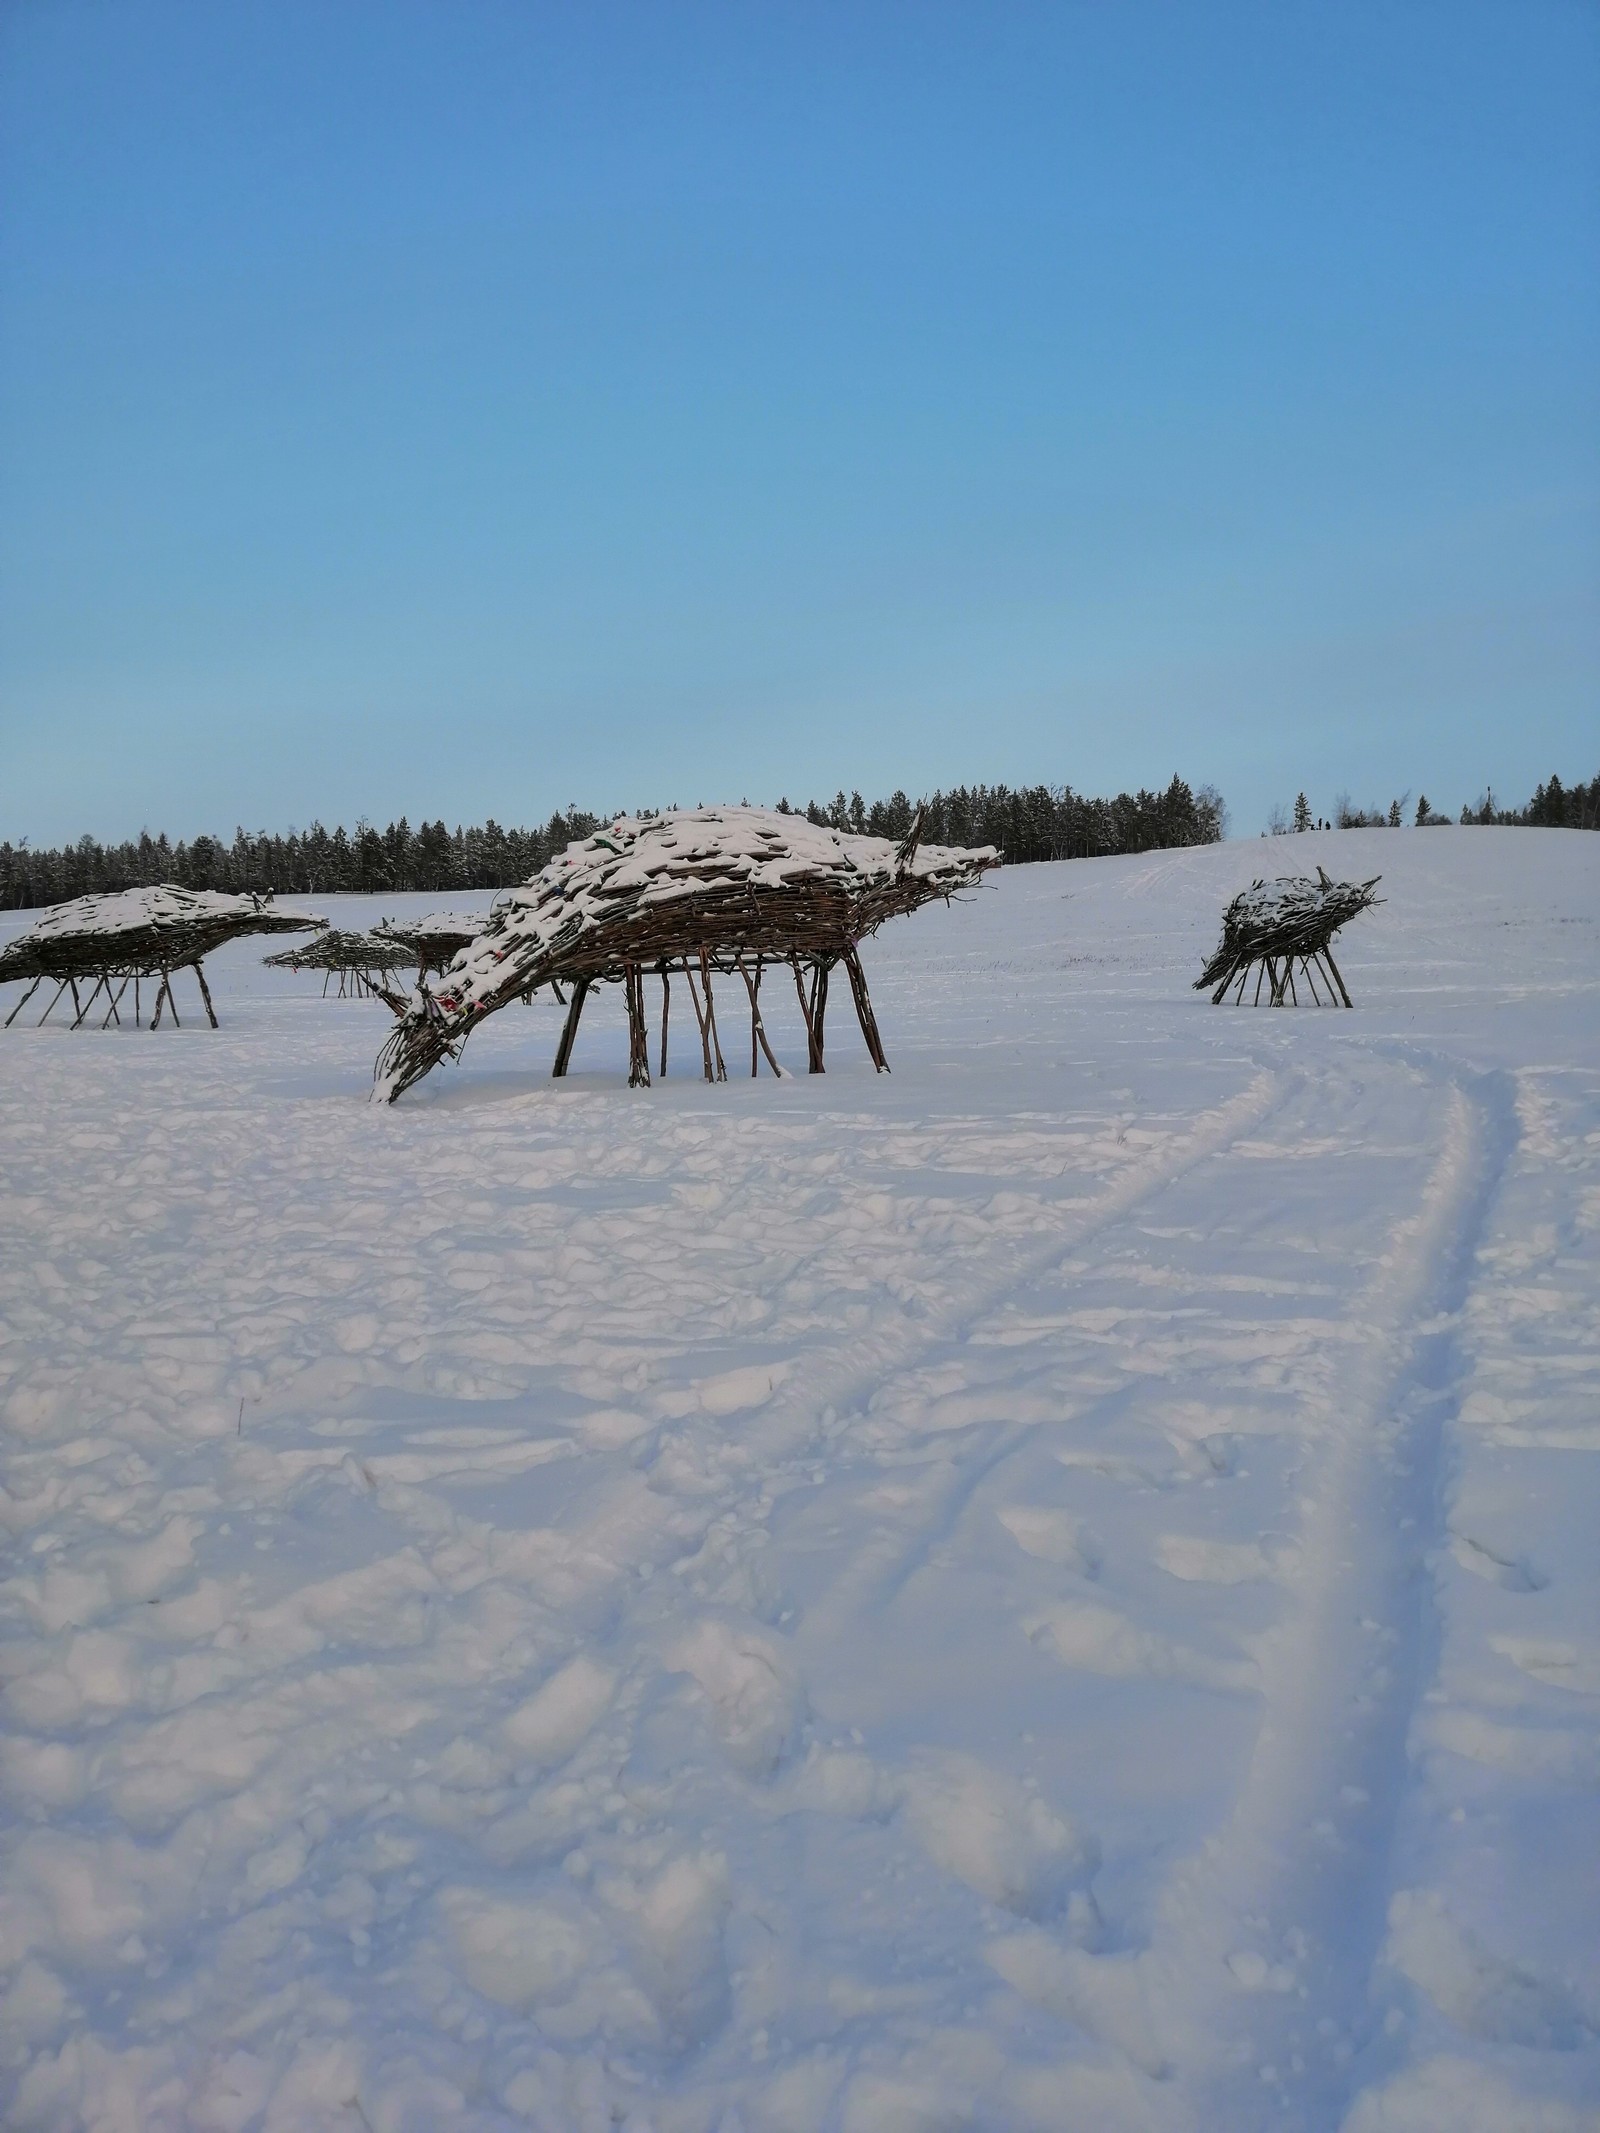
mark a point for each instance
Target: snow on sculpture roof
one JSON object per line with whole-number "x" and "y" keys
{"x": 727, "y": 883}
{"x": 434, "y": 929}
{"x": 1292, "y": 919}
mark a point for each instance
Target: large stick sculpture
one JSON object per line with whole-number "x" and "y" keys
{"x": 1273, "y": 925}
{"x": 712, "y": 891}
{"x": 140, "y": 933}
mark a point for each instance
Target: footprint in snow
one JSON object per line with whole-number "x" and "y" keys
{"x": 1053, "y": 1536}
{"x": 1479, "y": 1991}
{"x": 561, "y": 1714}
{"x": 1510, "y": 1573}
{"x": 1211, "y": 1562}
{"x": 1557, "y": 1664}
{"x": 1099, "y": 1640}
{"x": 1003, "y": 1841}
{"x": 749, "y": 1682}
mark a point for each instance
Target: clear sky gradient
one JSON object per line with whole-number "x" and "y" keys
{"x": 462, "y": 409}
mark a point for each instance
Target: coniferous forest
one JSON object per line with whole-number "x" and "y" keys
{"x": 1038, "y": 822}
{"x": 1028, "y": 823}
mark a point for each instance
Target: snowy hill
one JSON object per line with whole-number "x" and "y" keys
{"x": 1054, "y": 1589}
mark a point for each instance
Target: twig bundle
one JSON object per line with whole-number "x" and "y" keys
{"x": 704, "y": 890}
{"x": 1277, "y": 924}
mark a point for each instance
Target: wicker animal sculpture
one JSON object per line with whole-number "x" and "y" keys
{"x": 362, "y": 962}
{"x": 702, "y": 892}
{"x": 139, "y": 933}
{"x": 1273, "y": 925}
{"x": 432, "y": 941}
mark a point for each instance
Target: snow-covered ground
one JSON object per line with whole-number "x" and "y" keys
{"x": 1057, "y": 1590}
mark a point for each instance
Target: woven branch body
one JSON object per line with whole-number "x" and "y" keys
{"x": 139, "y": 932}
{"x": 731, "y": 883}
{"x": 1294, "y": 916}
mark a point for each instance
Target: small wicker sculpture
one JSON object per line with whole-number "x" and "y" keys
{"x": 1274, "y": 925}
{"x": 362, "y": 962}
{"x": 141, "y": 933}
{"x": 433, "y": 940}
{"x": 707, "y": 890}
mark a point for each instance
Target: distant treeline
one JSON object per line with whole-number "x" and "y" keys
{"x": 1553, "y": 806}
{"x": 1040, "y": 822}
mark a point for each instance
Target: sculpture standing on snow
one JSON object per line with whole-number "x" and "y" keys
{"x": 140, "y": 933}
{"x": 362, "y": 962}
{"x": 1273, "y": 925}
{"x": 724, "y": 890}
{"x": 433, "y": 940}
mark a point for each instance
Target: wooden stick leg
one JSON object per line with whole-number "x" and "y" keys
{"x": 711, "y": 1016}
{"x": 700, "y": 1021}
{"x": 1327, "y": 957}
{"x": 1243, "y": 975}
{"x": 638, "y": 1032}
{"x": 666, "y": 1010}
{"x": 1305, "y": 972}
{"x": 22, "y": 1003}
{"x": 569, "y": 1029}
{"x": 758, "y": 1029}
{"x": 1288, "y": 979}
{"x": 205, "y": 993}
{"x": 136, "y": 999}
{"x": 50, "y": 1010}
{"x": 76, "y": 1006}
{"x": 864, "y": 1014}
{"x": 1261, "y": 971}
{"x": 813, "y": 1049}
{"x": 111, "y": 1012}
{"x": 819, "y": 1010}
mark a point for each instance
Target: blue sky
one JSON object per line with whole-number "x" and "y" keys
{"x": 463, "y": 409}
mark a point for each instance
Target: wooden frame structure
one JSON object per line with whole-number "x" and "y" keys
{"x": 122, "y": 939}
{"x": 696, "y": 894}
{"x": 1274, "y": 925}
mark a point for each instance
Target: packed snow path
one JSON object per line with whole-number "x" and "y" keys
{"x": 1054, "y": 1590}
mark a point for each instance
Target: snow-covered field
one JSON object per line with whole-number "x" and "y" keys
{"x": 1057, "y": 1590}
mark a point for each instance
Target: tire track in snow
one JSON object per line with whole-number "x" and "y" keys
{"x": 1287, "y": 1908}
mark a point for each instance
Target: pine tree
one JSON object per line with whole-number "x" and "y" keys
{"x": 1302, "y": 812}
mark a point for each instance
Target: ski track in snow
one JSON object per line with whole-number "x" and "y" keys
{"x": 1055, "y": 1589}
